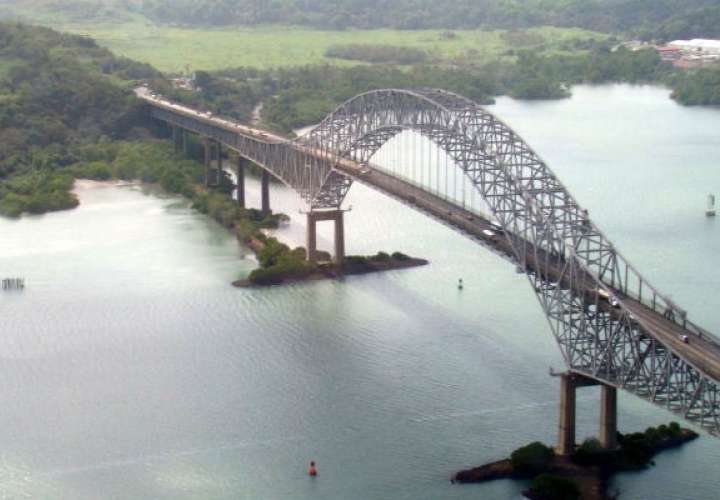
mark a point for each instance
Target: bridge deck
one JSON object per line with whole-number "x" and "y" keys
{"x": 701, "y": 352}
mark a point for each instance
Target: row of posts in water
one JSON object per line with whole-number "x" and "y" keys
{"x": 13, "y": 283}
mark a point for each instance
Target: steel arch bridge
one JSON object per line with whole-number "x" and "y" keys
{"x": 609, "y": 322}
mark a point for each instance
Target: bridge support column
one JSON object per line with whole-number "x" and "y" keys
{"x": 175, "y": 139}
{"x": 311, "y": 240}
{"x": 566, "y": 427}
{"x": 241, "y": 181}
{"x": 339, "y": 237}
{"x": 337, "y": 216}
{"x": 608, "y": 417}
{"x": 219, "y": 171}
{"x": 265, "y": 192}
{"x": 569, "y": 382}
{"x": 206, "y": 148}
{"x": 184, "y": 141}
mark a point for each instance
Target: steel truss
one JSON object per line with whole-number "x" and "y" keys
{"x": 570, "y": 264}
{"x": 310, "y": 173}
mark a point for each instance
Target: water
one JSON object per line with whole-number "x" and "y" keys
{"x": 131, "y": 369}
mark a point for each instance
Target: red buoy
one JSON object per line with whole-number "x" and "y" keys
{"x": 312, "y": 471}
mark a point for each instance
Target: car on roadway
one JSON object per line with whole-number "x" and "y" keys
{"x": 365, "y": 171}
{"x": 684, "y": 338}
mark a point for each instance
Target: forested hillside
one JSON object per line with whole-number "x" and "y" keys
{"x": 647, "y": 18}
{"x": 58, "y": 92}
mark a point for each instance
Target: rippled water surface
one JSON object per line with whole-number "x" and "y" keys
{"x": 131, "y": 369}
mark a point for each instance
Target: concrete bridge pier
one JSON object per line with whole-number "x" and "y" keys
{"x": 569, "y": 382}
{"x": 313, "y": 217}
{"x": 608, "y": 417}
{"x": 265, "y": 192}
{"x": 206, "y": 150}
{"x": 179, "y": 138}
{"x": 219, "y": 164}
{"x": 175, "y": 138}
{"x": 241, "y": 162}
{"x": 213, "y": 152}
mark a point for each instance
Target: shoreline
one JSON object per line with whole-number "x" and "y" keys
{"x": 258, "y": 241}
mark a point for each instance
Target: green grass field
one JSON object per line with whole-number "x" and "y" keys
{"x": 174, "y": 49}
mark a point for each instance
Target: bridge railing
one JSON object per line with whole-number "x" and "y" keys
{"x": 637, "y": 287}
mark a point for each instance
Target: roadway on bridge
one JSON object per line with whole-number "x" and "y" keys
{"x": 702, "y": 352}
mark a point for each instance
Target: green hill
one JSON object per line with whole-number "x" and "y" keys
{"x": 58, "y": 93}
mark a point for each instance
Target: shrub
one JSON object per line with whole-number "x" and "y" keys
{"x": 381, "y": 257}
{"x": 674, "y": 429}
{"x": 591, "y": 452}
{"x": 245, "y": 229}
{"x": 287, "y": 267}
{"x": 400, "y": 256}
{"x": 299, "y": 253}
{"x": 636, "y": 450}
{"x": 531, "y": 459}
{"x": 377, "y": 53}
{"x": 355, "y": 260}
{"x": 96, "y": 170}
{"x": 272, "y": 252}
{"x": 322, "y": 255}
{"x": 547, "y": 487}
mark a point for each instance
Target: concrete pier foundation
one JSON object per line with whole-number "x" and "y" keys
{"x": 313, "y": 217}
{"x": 206, "y": 150}
{"x": 213, "y": 152}
{"x": 569, "y": 382}
{"x": 265, "y": 192}
{"x": 608, "y": 417}
{"x": 566, "y": 424}
{"x": 241, "y": 181}
{"x": 219, "y": 164}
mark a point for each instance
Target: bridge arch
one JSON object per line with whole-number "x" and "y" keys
{"x": 611, "y": 325}
{"x": 573, "y": 268}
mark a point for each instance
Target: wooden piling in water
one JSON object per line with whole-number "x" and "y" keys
{"x": 13, "y": 283}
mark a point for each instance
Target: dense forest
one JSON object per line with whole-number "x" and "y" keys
{"x": 645, "y": 18}
{"x": 669, "y": 18}
{"x": 58, "y": 92}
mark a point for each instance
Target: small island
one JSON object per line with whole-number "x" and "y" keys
{"x": 583, "y": 475}
{"x": 279, "y": 264}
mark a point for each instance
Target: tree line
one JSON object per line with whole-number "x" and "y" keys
{"x": 300, "y": 96}
{"x": 667, "y": 17}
